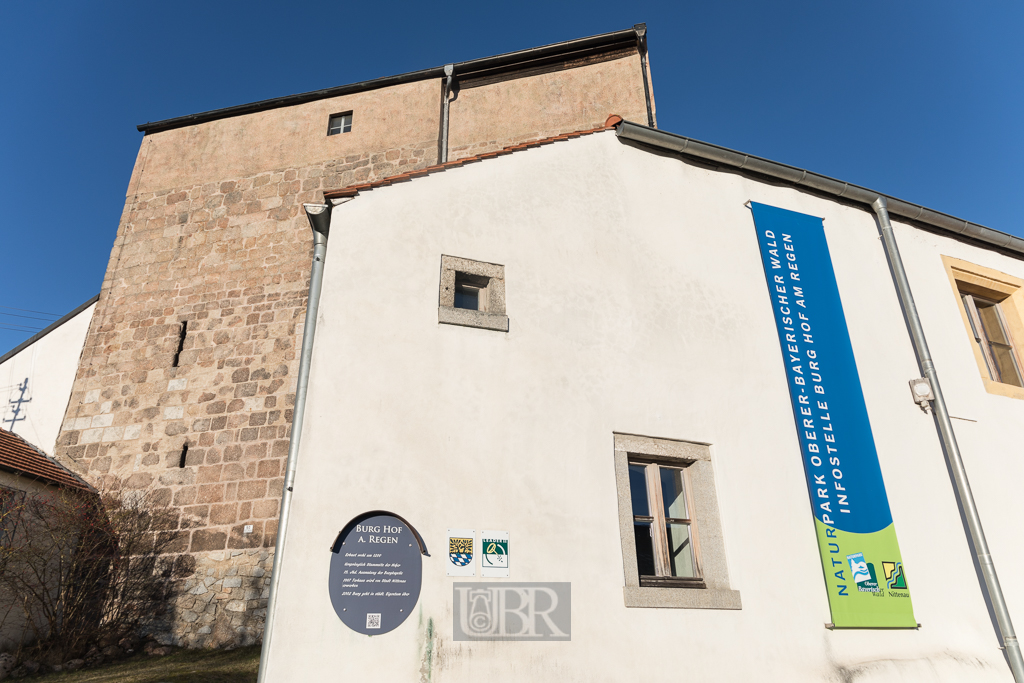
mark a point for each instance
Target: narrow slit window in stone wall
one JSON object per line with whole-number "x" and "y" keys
{"x": 182, "y": 331}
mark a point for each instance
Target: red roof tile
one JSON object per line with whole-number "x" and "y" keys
{"x": 353, "y": 190}
{"x": 20, "y": 456}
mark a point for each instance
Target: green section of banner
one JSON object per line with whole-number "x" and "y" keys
{"x": 866, "y": 581}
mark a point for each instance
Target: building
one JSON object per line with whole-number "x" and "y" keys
{"x": 24, "y": 470}
{"x": 548, "y": 341}
{"x": 187, "y": 373}
{"x": 614, "y": 392}
{"x": 36, "y": 378}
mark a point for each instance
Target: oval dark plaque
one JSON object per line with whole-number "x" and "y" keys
{"x": 376, "y": 571}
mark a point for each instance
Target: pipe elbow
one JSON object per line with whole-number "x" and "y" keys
{"x": 880, "y": 204}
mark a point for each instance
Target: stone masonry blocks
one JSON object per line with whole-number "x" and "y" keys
{"x": 230, "y": 261}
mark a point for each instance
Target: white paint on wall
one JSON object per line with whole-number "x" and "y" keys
{"x": 637, "y": 303}
{"x": 46, "y": 369}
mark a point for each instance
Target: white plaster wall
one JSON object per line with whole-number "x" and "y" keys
{"x": 637, "y": 303}
{"x": 50, "y": 365}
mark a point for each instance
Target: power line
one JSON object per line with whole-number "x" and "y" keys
{"x": 31, "y": 317}
{"x": 28, "y": 310}
{"x": 20, "y": 328}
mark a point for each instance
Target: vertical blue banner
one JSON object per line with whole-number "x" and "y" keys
{"x": 860, "y": 554}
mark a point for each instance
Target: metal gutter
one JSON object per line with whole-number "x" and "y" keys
{"x": 477, "y": 67}
{"x": 819, "y": 183}
{"x": 962, "y": 487}
{"x": 42, "y": 333}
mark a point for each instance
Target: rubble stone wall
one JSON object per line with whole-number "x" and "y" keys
{"x": 209, "y": 437}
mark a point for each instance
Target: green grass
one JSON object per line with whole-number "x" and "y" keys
{"x": 184, "y": 666}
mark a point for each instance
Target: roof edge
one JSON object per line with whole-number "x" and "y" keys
{"x": 79, "y": 482}
{"x": 39, "y": 335}
{"x": 353, "y": 190}
{"x": 489, "y": 65}
{"x": 793, "y": 175}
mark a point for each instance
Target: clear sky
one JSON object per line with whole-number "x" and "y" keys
{"x": 919, "y": 100}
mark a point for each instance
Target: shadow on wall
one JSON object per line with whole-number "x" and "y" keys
{"x": 223, "y": 603}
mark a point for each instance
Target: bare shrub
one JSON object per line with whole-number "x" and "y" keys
{"x": 83, "y": 568}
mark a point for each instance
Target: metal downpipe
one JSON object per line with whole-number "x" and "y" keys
{"x": 641, "y": 45}
{"x": 1011, "y": 646}
{"x": 320, "y": 221}
{"x": 449, "y": 72}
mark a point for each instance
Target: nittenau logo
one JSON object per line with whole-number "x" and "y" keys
{"x": 894, "y": 577}
{"x": 513, "y": 611}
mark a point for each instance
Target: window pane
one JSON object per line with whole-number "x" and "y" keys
{"x": 674, "y": 493}
{"x": 467, "y": 297}
{"x": 638, "y": 491}
{"x": 990, "y": 321}
{"x": 644, "y": 548}
{"x": 1003, "y": 355}
{"x": 680, "y": 551}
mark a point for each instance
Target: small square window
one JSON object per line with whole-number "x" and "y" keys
{"x": 672, "y": 549}
{"x": 471, "y": 291}
{"x": 339, "y": 123}
{"x": 472, "y": 294}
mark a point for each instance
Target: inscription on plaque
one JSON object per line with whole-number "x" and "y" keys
{"x": 376, "y": 572}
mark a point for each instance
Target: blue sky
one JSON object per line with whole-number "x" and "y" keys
{"x": 920, "y": 100}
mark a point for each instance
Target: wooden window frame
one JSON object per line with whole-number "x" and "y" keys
{"x": 981, "y": 336}
{"x": 1002, "y": 289}
{"x": 659, "y": 522}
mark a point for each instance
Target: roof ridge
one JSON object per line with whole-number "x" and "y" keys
{"x": 353, "y": 190}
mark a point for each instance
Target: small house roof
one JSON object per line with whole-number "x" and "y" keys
{"x": 21, "y": 457}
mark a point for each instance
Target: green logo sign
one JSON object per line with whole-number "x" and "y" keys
{"x": 495, "y": 553}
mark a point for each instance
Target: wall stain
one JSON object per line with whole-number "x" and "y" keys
{"x": 427, "y": 651}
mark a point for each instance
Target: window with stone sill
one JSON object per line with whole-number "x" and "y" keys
{"x": 673, "y": 553}
{"x": 991, "y": 305}
{"x": 472, "y": 294}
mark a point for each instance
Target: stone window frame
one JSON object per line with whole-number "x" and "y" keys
{"x": 696, "y": 458}
{"x": 492, "y": 317}
{"x": 1007, "y": 292}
